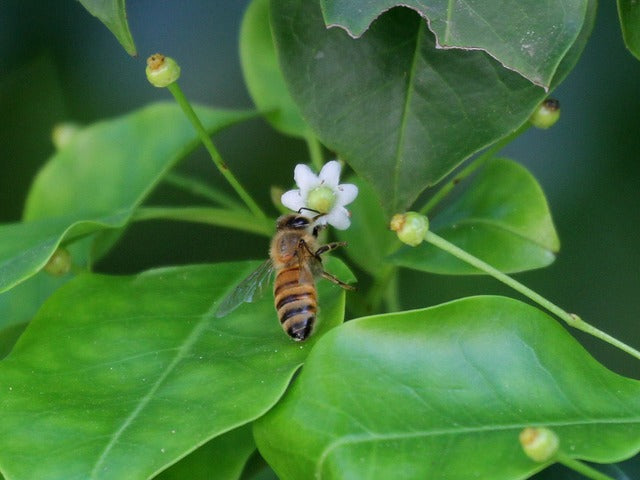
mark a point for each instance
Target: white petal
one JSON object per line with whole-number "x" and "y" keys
{"x": 305, "y": 178}
{"x": 292, "y": 200}
{"x": 339, "y": 218}
{"x": 330, "y": 174}
{"x": 346, "y": 193}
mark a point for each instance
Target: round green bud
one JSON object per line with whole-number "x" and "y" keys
{"x": 62, "y": 134}
{"x": 546, "y": 115}
{"x": 539, "y": 444}
{"x": 321, "y": 199}
{"x": 162, "y": 71}
{"x": 60, "y": 263}
{"x": 411, "y": 227}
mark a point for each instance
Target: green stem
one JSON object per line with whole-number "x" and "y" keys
{"x": 213, "y": 152}
{"x": 380, "y": 290}
{"x": 571, "y": 319}
{"x": 391, "y": 294}
{"x": 201, "y": 189}
{"x": 315, "y": 151}
{"x": 582, "y": 468}
{"x": 472, "y": 167}
{"x": 238, "y": 220}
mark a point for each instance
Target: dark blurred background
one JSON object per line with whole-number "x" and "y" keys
{"x": 60, "y": 64}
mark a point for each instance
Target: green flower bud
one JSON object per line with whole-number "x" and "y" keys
{"x": 540, "y": 444}
{"x": 546, "y": 115}
{"x": 411, "y": 227}
{"x": 162, "y": 71}
{"x": 62, "y": 134}
{"x": 60, "y": 263}
{"x": 321, "y": 199}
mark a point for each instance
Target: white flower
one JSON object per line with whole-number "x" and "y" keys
{"x": 322, "y": 193}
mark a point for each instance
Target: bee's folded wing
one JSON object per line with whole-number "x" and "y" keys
{"x": 248, "y": 290}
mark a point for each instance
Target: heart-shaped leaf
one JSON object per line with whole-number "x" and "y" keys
{"x": 443, "y": 393}
{"x": 114, "y": 16}
{"x": 119, "y": 377}
{"x": 528, "y": 36}
{"x": 629, "y": 11}
{"x": 400, "y": 111}
{"x": 97, "y": 181}
{"x": 502, "y": 218}
{"x": 262, "y": 73}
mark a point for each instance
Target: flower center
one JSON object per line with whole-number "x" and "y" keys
{"x": 321, "y": 199}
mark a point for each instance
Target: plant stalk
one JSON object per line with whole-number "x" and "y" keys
{"x": 238, "y": 220}
{"x": 176, "y": 91}
{"x": 582, "y": 468}
{"x": 315, "y": 151}
{"x": 201, "y": 189}
{"x": 570, "y": 318}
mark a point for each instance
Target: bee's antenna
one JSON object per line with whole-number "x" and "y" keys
{"x": 311, "y": 210}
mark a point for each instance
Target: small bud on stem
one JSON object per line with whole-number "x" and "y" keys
{"x": 162, "y": 71}
{"x": 540, "y": 444}
{"x": 62, "y": 134}
{"x": 411, "y": 227}
{"x": 546, "y": 115}
{"x": 60, "y": 263}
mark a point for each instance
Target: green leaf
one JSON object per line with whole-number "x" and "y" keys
{"x": 629, "y": 12}
{"x": 443, "y": 393}
{"x": 393, "y": 114}
{"x": 502, "y": 218}
{"x": 222, "y": 458}
{"x": 530, "y": 37}
{"x": 97, "y": 181}
{"x": 26, "y": 247}
{"x": 262, "y": 73}
{"x": 369, "y": 236}
{"x": 114, "y": 16}
{"x": 20, "y": 304}
{"x": 123, "y": 376}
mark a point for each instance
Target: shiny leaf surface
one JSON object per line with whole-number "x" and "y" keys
{"x": 443, "y": 393}
{"x": 123, "y": 376}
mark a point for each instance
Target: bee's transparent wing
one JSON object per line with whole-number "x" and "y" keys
{"x": 248, "y": 290}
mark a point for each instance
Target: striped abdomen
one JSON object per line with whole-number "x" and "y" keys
{"x": 296, "y": 303}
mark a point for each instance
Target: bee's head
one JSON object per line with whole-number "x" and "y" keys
{"x": 297, "y": 221}
{"x": 293, "y": 221}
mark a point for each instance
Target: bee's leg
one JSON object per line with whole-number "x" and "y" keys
{"x": 328, "y": 247}
{"x": 337, "y": 281}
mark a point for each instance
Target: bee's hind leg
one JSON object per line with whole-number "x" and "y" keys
{"x": 328, "y": 247}
{"x": 337, "y": 281}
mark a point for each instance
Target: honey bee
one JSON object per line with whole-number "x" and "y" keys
{"x": 295, "y": 257}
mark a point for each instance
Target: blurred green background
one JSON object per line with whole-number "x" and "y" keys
{"x": 60, "y": 64}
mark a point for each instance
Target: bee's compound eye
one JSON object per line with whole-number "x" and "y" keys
{"x": 299, "y": 222}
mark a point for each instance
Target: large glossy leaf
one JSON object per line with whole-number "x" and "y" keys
{"x": 443, "y": 393}
{"x": 222, "y": 458}
{"x": 397, "y": 109}
{"x": 119, "y": 377}
{"x": 97, "y": 180}
{"x": 528, "y": 36}
{"x": 629, "y": 12}
{"x": 401, "y": 112}
{"x": 262, "y": 73}
{"x": 502, "y": 217}
{"x": 114, "y": 16}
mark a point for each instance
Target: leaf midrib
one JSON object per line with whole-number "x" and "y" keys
{"x": 368, "y": 437}
{"x": 184, "y": 349}
{"x": 405, "y": 112}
